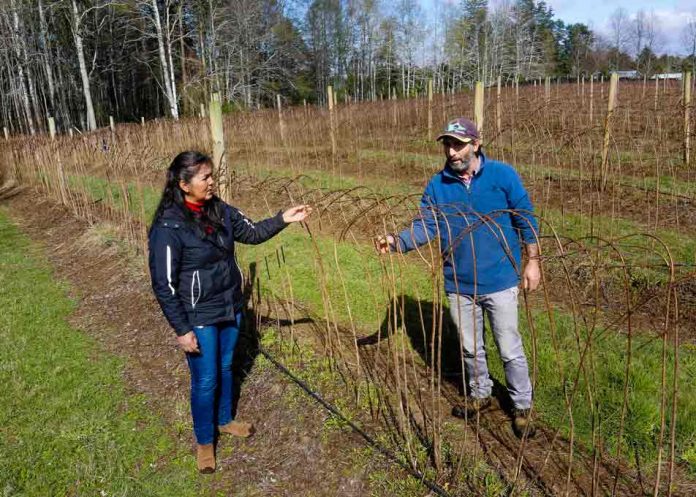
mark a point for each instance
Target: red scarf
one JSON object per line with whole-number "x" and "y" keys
{"x": 197, "y": 209}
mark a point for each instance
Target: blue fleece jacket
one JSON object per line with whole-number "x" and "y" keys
{"x": 479, "y": 227}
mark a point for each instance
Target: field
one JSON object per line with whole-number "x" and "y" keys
{"x": 611, "y": 335}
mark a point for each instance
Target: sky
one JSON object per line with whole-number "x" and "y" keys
{"x": 672, "y": 16}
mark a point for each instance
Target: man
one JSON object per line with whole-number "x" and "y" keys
{"x": 478, "y": 208}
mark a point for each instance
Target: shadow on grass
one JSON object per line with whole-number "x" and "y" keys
{"x": 247, "y": 349}
{"x": 420, "y": 320}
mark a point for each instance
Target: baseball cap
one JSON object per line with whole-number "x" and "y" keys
{"x": 462, "y": 129}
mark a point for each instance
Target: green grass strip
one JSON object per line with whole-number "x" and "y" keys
{"x": 356, "y": 281}
{"x": 358, "y": 276}
{"x": 567, "y": 225}
{"x": 664, "y": 183}
{"x": 67, "y": 425}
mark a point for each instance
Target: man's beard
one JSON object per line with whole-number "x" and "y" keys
{"x": 463, "y": 166}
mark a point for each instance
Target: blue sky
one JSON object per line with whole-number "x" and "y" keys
{"x": 672, "y": 16}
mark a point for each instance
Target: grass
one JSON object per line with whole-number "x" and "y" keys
{"x": 316, "y": 371}
{"x": 368, "y": 306}
{"x": 356, "y": 292}
{"x": 567, "y": 224}
{"x": 68, "y": 425}
{"x": 605, "y": 365}
{"x": 432, "y": 162}
{"x": 112, "y": 194}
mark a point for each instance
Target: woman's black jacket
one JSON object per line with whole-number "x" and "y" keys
{"x": 195, "y": 275}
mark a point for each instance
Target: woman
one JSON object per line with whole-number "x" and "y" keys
{"x": 198, "y": 283}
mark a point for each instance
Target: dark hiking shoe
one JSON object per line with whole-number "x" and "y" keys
{"x": 522, "y": 422}
{"x": 472, "y": 407}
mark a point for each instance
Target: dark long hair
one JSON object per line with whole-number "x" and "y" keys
{"x": 183, "y": 168}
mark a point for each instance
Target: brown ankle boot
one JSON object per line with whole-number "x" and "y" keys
{"x": 238, "y": 429}
{"x": 205, "y": 456}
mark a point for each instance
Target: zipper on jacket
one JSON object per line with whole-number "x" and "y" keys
{"x": 195, "y": 278}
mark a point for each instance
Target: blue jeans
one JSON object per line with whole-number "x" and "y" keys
{"x": 211, "y": 377}
{"x": 501, "y": 308}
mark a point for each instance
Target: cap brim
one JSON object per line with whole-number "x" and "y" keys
{"x": 456, "y": 137}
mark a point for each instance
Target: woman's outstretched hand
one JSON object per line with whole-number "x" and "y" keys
{"x": 296, "y": 214}
{"x": 188, "y": 343}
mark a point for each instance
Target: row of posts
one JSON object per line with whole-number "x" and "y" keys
{"x": 215, "y": 112}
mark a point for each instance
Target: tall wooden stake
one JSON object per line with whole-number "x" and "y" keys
{"x": 591, "y": 99}
{"x": 52, "y": 127}
{"x": 330, "y": 101}
{"x": 604, "y": 173}
{"x": 498, "y": 109}
{"x": 218, "y": 137}
{"x": 281, "y": 125}
{"x": 430, "y": 107}
{"x": 478, "y": 107}
{"x": 687, "y": 115}
{"x": 6, "y": 132}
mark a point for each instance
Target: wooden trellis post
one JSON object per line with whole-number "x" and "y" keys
{"x": 498, "y": 109}
{"x": 430, "y": 107}
{"x": 478, "y": 107}
{"x": 52, "y": 127}
{"x": 218, "y": 137}
{"x": 604, "y": 173}
{"x": 591, "y": 98}
{"x": 281, "y": 124}
{"x": 687, "y": 117}
{"x": 330, "y": 101}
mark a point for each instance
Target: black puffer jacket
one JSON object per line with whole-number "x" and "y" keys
{"x": 195, "y": 277}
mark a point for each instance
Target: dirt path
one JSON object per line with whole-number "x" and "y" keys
{"x": 292, "y": 454}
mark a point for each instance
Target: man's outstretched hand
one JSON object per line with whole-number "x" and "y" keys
{"x": 383, "y": 244}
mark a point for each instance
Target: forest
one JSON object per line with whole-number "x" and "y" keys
{"x": 82, "y": 61}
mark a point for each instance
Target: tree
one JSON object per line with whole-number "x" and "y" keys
{"x": 643, "y": 37}
{"x": 619, "y": 25}
{"x": 689, "y": 37}
{"x": 576, "y": 49}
